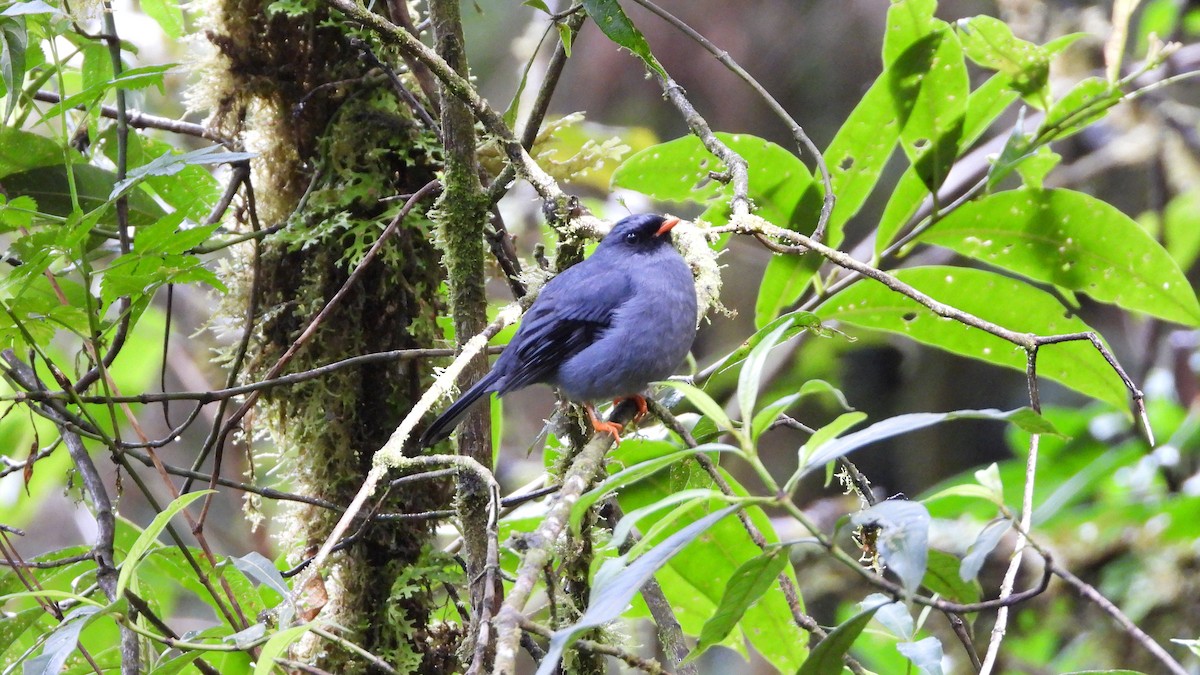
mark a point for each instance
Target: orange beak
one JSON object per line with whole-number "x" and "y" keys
{"x": 667, "y": 225}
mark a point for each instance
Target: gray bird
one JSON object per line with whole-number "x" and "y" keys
{"x": 603, "y": 329}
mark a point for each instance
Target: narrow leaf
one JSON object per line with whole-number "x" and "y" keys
{"x": 61, "y": 643}
{"x": 902, "y": 424}
{"x": 635, "y": 473}
{"x": 703, "y": 402}
{"x": 147, "y": 538}
{"x": 826, "y": 657}
{"x": 983, "y": 545}
{"x": 616, "y": 586}
{"x": 750, "y": 376}
{"x": 612, "y": 21}
{"x": 276, "y": 646}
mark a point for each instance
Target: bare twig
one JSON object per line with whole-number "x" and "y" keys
{"x": 141, "y": 120}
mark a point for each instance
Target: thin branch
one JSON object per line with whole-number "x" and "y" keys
{"x": 798, "y": 133}
{"x": 630, "y": 659}
{"x": 141, "y": 120}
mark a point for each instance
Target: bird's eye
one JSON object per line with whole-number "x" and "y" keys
{"x": 631, "y": 237}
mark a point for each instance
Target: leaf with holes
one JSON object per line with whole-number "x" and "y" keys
{"x": 1075, "y": 241}
{"x": 1023, "y": 308}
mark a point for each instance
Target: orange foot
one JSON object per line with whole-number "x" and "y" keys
{"x": 599, "y": 425}
{"x": 642, "y": 408}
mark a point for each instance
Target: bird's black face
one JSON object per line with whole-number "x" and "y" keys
{"x": 641, "y": 232}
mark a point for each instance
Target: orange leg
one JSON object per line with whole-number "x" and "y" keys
{"x": 642, "y": 407}
{"x": 599, "y": 425}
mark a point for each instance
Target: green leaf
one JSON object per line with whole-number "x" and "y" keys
{"x": 826, "y": 657}
{"x": 612, "y": 21}
{"x": 941, "y": 577}
{"x": 147, "y": 539}
{"x": 692, "y": 581}
{"x": 49, "y": 187}
{"x": 929, "y": 87}
{"x": 277, "y": 645}
{"x": 903, "y": 539}
{"x": 617, "y": 582}
{"x": 857, "y": 155}
{"x": 167, "y": 14}
{"x": 134, "y": 78}
{"x": 1179, "y": 228}
{"x": 1073, "y": 364}
{"x": 171, "y": 163}
{"x": 989, "y": 42}
{"x": 635, "y": 473}
{"x": 703, "y": 402}
{"x": 13, "y": 43}
{"x": 798, "y": 322}
{"x": 630, "y": 520}
{"x": 13, "y": 626}
{"x": 747, "y": 585}
{"x": 987, "y": 540}
{"x": 1023, "y": 418}
{"x": 1075, "y": 241}
{"x": 1085, "y": 103}
{"x": 827, "y": 433}
{"x": 21, "y": 150}
{"x": 984, "y": 106}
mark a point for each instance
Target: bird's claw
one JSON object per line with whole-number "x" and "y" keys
{"x": 599, "y": 425}
{"x": 643, "y": 408}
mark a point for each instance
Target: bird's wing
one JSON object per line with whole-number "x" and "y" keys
{"x": 571, "y": 312}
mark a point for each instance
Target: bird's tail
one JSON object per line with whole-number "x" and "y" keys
{"x": 445, "y": 423}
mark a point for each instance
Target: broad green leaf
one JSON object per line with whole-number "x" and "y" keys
{"x": 13, "y": 43}
{"x": 826, "y": 657}
{"x": 1074, "y": 241}
{"x": 617, "y": 582}
{"x": 147, "y": 539}
{"x": 893, "y": 616}
{"x": 1179, "y": 228}
{"x": 13, "y": 626}
{"x": 177, "y": 664}
{"x": 987, "y": 540}
{"x": 858, "y": 153}
{"x": 21, "y": 150}
{"x": 679, "y": 171}
{"x": 902, "y": 540}
{"x": 748, "y": 584}
{"x": 989, "y": 42}
{"x": 1085, "y": 103}
{"x": 1077, "y": 365}
{"x": 929, "y": 87}
{"x": 750, "y": 375}
{"x": 49, "y": 187}
{"x": 925, "y": 654}
{"x": 167, "y": 14}
{"x": 612, "y": 21}
{"x": 97, "y": 65}
{"x": 941, "y": 577}
{"x": 171, "y": 163}
{"x": 908, "y": 22}
{"x": 635, "y": 473}
{"x": 1024, "y": 418}
{"x": 984, "y": 106}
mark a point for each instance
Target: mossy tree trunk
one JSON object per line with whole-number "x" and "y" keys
{"x": 334, "y": 139}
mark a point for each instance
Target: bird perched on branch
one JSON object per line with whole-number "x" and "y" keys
{"x": 603, "y": 329}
